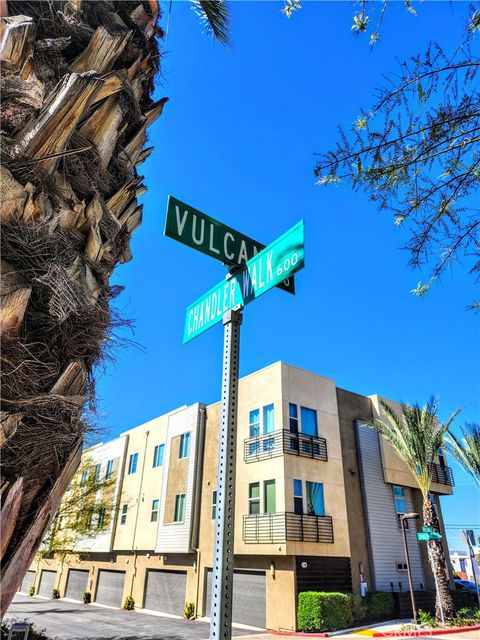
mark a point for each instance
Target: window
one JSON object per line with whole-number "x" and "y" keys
{"x": 184, "y": 448}
{"x": 109, "y": 471}
{"x": 309, "y": 421}
{"x": 101, "y": 518}
{"x": 84, "y": 478}
{"x": 315, "y": 500}
{"x": 434, "y": 503}
{"x": 399, "y": 499}
{"x": 268, "y": 426}
{"x": 401, "y": 566}
{"x": 98, "y": 471}
{"x": 179, "y": 514}
{"x": 154, "y": 514}
{"x": 254, "y": 498}
{"x": 400, "y": 503}
{"x": 214, "y": 504}
{"x": 269, "y": 496}
{"x": 254, "y": 423}
{"x": 297, "y": 497}
{"x": 123, "y": 517}
{"x": 132, "y": 463}
{"x": 158, "y": 455}
{"x": 293, "y": 417}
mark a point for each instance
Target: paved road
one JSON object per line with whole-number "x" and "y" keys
{"x": 64, "y": 620}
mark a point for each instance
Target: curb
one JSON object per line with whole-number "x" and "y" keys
{"x": 427, "y": 632}
{"x": 299, "y": 634}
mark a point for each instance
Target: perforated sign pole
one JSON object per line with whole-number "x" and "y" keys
{"x": 222, "y": 578}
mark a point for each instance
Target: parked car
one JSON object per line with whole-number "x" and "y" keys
{"x": 465, "y": 585}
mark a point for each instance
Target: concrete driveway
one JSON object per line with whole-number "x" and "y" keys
{"x": 63, "y": 620}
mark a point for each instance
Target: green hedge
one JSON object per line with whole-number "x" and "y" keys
{"x": 320, "y": 611}
{"x": 380, "y": 604}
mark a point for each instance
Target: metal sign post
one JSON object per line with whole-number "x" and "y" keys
{"x": 222, "y": 578}
{"x": 254, "y": 270}
{"x": 469, "y": 538}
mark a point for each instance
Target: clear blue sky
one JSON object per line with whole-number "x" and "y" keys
{"x": 237, "y": 140}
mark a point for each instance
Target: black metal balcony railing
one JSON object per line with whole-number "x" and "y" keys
{"x": 264, "y": 528}
{"x": 441, "y": 474}
{"x": 271, "y": 445}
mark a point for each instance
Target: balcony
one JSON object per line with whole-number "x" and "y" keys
{"x": 276, "y": 443}
{"x": 441, "y": 474}
{"x": 265, "y": 528}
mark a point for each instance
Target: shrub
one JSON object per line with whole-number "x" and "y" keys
{"x": 55, "y": 594}
{"x": 425, "y": 618}
{"x": 31, "y": 591}
{"x": 359, "y": 607}
{"x": 87, "y": 597}
{"x": 129, "y": 603}
{"x": 380, "y": 604}
{"x": 319, "y": 611}
{"x": 189, "y": 610}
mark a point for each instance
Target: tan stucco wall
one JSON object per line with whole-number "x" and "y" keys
{"x": 352, "y": 407}
{"x": 177, "y": 479}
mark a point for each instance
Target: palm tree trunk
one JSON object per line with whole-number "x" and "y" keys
{"x": 76, "y": 82}
{"x": 438, "y": 564}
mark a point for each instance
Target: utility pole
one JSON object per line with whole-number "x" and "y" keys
{"x": 403, "y": 518}
{"x": 223, "y": 557}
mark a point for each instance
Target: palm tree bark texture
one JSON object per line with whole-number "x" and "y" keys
{"x": 438, "y": 564}
{"x": 76, "y": 84}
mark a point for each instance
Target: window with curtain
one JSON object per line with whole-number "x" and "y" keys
{"x": 269, "y": 501}
{"x": 254, "y": 498}
{"x": 309, "y": 421}
{"x": 158, "y": 455}
{"x": 297, "y": 497}
{"x": 314, "y": 496}
{"x": 268, "y": 426}
{"x": 179, "y": 513}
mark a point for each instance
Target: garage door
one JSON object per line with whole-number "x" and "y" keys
{"x": 77, "y": 583}
{"x": 110, "y": 588}
{"x": 27, "y": 582}
{"x": 47, "y": 583}
{"x": 165, "y": 591}
{"x": 249, "y": 597}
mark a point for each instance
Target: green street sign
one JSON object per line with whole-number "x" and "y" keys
{"x": 199, "y": 231}
{"x": 426, "y": 536}
{"x": 278, "y": 261}
{"x": 428, "y": 529}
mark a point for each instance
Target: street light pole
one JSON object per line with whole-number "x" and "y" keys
{"x": 403, "y": 518}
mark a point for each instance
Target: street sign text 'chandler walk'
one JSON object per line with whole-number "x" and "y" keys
{"x": 275, "y": 263}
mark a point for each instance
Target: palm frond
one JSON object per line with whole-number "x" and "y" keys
{"x": 466, "y": 450}
{"x": 215, "y": 16}
{"x": 417, "y": 435}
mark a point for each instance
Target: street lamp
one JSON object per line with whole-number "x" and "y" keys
{"x": 403, "y": 517}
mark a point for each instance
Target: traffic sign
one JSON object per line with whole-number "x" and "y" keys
{"x": 426, "y": 536}
{"x": 278, "y": 261}
{"x": 428, "y": 529}
{"x": 199, "y": 231}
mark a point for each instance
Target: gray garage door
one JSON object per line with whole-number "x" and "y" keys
{"x": 47, "y": 583}
{"x": 27, "y": 582}
{"x": 249, "y": 597}
{"x": 77, "y": 583}
{"x": 110, "y": 588}
{"x": 165, "y": 591}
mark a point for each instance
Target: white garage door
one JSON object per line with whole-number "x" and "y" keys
{"x": 249, "y": 597}
{"x": 47, "y": 583}
{"x": 27, "y": 582}
{"x": 77, "y": 582}
{"x": 165, "y": 591}
{"x": 110, "y": 588}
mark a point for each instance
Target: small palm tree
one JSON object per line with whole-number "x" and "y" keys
{"x": 417, "y": 436}
{"x": 466, "y": 450}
